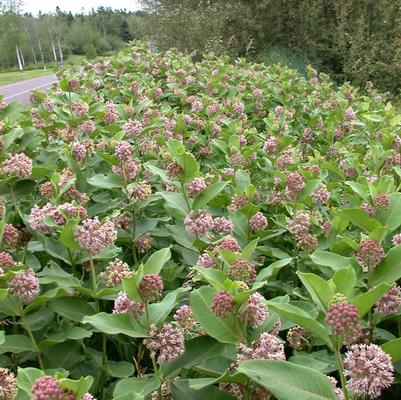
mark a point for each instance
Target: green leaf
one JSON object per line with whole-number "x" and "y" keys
{"x": 55, "y": 274}
{"x": 272, "y": 270}
{"x": 72, "y": 308}
{"x": 156, "y": 261}
{"x": 214, "y": 277}
{"x": 208, "y": 195}
{"x": 365, "y": 301}
{"x": 185, "y": 159}
{"x": 16, "y": 344}
{"x": 120, "y": 369}
{"x": 249, "y": 249}
{"x": 302, "y": 318}
{"x": 113, "y": 324}
{"x": 135, "y": 388}
{"x": 391, "y": 217}
{"x": 319, "y": 289}
{"x": 198, "y": 350}
{"x": 26, "y": 378}
{"x": 393, "y": 348}
{"x": 67, "y": 235}
{"x": 75, "y": 333}
{"x": 289, "y": 381}
{"x": 345, "y": 281}
{"x": 63, "y": 355}
{"x": 182, "y": 391}
{"x": 131, "y": 284}
{"x": 79, "y": 387}
{"x": 389, "y": 270}
{"x": 158, "y": 312}
{"x": 360, "y": 218}
{"x": 175, "y": 204}
{"x": 111, "y": 181}
{"x": 328, "y": 259}
{"x": 225, "y": 329}
{"x": 396, "y": 120}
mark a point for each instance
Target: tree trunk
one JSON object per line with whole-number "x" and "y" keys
{"x": 22, "y": 57}
{"x": 41, "y": 52}
{"x": 60, "y": 51}
{"x": 19, "y": 59}
{"x": 54, "y": 52}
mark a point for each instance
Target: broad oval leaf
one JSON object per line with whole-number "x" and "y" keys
{"x": 289, "y": 381}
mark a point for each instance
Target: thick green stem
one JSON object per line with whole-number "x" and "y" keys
{"x": 341, "y": 372}
{"x": 33, "y": 340}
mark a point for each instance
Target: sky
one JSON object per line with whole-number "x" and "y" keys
{"x": 33, "y": 6}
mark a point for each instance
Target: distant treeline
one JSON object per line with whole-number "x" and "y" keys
{"x": 27, "y": 41}
{"x": 357, "y": 40}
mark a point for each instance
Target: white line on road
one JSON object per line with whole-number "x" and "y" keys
{"x": 29, "y": 90}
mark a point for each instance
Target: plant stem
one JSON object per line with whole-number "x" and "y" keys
{"x": 154, "y": 363}
{"x": 185, "y": 196}
{"x": 371, "y": 324}
{"x": 341, "y": 371}
{"x": 94, "y": 284}
{"x": 14, "y": 201}
{"x": 133, "y": 237}
{"x": 147, "y": 314}
{"x": 33, "y": 340}
{"x": 94, "y": 290}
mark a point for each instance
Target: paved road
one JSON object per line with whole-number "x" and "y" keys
{"x": 21, "y": 91}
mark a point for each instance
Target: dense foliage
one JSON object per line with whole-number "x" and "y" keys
{"x": 28, "y": 41}
{"x": 185, "y": 230}
{"x": 358, "y": 40}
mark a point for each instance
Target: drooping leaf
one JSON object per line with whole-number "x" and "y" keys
{"x": 289, "y": 381}
{"x": 302, "y": 318}
{"x": 113, "y": 324}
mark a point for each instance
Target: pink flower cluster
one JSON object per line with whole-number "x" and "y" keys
{"x": 242, "y": 270}
{"x": 115, "y": 272}
{"x": 94, "y": 236}
{"x": 25, "y": 285}
{"x": 123, "y": 151}
{"x": 222, "y": 304}
{"x": 195, "y": 187}
{"x": 198, "y": 223}
{"x": 295, "y": 183}
{"x": 254, "y": 312}
{"x": 185, "y": 318}
{"x": 267, "y": 347}
{"x": 124, "y": 305}
{"x": 258, "y": 222}
{"x": 370, "y": 253}
{"x": 151, "y": 287}
{"x": 18, "y": 165}
{"x": 390, "y": 302}
{"x": 8, "y": 385}
{"x": 166, "y": 343}
{"x": 6, "y": 260}
{"x": 369, "y": 370}
{"x": 343, "y": 319}
{"x": 47, "y": 388}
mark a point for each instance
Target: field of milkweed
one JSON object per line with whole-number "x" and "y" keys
{"x": 183, "y": 230}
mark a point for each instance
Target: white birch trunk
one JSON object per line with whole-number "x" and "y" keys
{"x": 19, "y": 59}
